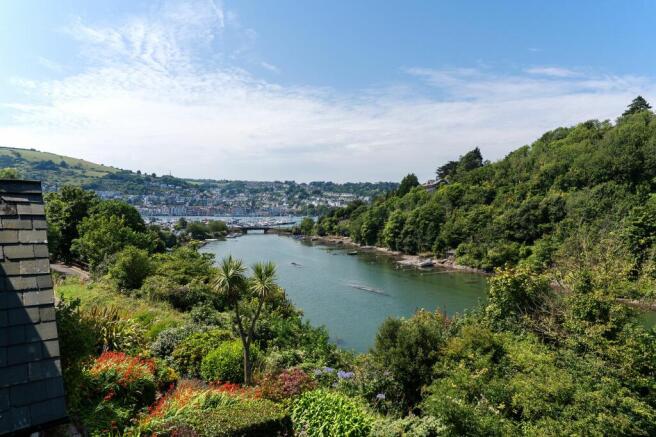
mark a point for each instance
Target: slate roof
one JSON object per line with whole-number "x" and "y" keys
{"x": 31, "y": 385}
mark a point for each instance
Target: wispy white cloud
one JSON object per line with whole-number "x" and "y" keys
{"x": 146, "y": 101}
{"x": 553, "y": 71}
{"x": 50, "y": 64}
{"x": 270, "y": 67}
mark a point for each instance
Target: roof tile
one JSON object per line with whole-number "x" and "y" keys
{"x": 16, "y": 223}
{"x": 21, "y": 251}
{"x": 32, "y": 236}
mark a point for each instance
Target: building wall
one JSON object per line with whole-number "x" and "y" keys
{"x": 31, "y": 386}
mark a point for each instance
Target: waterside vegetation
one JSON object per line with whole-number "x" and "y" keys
{"x": 163, "y": 342}
{"x": 578, "y": 197}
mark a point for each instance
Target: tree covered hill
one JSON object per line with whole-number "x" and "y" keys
{"x": 57, "y": 170}
{"x": 585, "y": 191}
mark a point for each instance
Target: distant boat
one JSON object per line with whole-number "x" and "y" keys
{"x": 352, "y": 252}
{"x": 296, "y": 264}
{"x": 426, "y": 263}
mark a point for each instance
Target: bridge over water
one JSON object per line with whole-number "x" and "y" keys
{"x": 264, "y": 228}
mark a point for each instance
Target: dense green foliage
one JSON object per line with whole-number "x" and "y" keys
{"x": 65, "y": 210}
{"x": 203, "y": 231}
{"x": 408, "y": 349}
{"x": 577, "y": 192}
{"x": 225, "y": 363}
{"x": 231, "y": 284}
{"x": 416, "y": 426}
{"x": 576, "y": 209}
{"x": 188, "y": 354}
{"x": 83, "y": 228}
{"x": 130, "y": 268}
{"x": 306, "y": 227}
{"x": 407, "y": 184}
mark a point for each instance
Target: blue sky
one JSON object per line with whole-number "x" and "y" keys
{"x": 321, "y": 90}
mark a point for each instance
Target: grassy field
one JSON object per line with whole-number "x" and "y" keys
{"x": 153, "y": 316}
{"x": 53, "y": 169}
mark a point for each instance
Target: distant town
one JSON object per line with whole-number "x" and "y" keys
{"x": 166, "y": 195}
{"x": 244, "y": 198}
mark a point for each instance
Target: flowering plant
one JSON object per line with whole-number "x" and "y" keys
{"x": 176, "y": 402}
{"x": 117, "y": 386}
{"x": 233, "y": 389}
{"x": 193, "y": 408}
{"x": 116, "y": 374}
{"x": 286, "y": 384}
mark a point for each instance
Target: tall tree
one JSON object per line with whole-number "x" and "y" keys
{"x": 638, "y": 104}
{"x": 65, "y": 211}
{"x": 445, "y": 171}
{"x": 307, "y": 226}
{"x": 471, "y": 160}
{"x": 235, "y": 286}
{"x": 121, "y": 209}
{"x": 407, "y": 184}
{"x": 101, "y": 236}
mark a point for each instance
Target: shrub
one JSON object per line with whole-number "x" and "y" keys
{"x": 191, "y": 410}
{"x": 409, "y": 350}
{"x": 189, "y": 353}
{"x": 182, "y": 297}
{"x": 130, "y": 267}
{"x": 77, "y": 343}
{"x": 156, "y": 287}
{"x": 225, "y": 363}
{"x": 168, "y": 340}
{"x": 425, "y": 426}
{"x": 514, "y": 294}
{"x": 185, "y": 264}
{"x": 375, "y": 383}
{"x": 326, "y": 414}
{"x": 112, "y": 332}
{"x": 117, "y": 386}
{"x": 77, "y": 340}
{"x": 286, "y": 384}
{"x": 207, "y": 315}
{"x": 277, "y": 359}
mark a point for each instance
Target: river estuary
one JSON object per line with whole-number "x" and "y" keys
{"x": 352, "y": 295}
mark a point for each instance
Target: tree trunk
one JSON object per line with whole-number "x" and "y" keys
{"x": 248, "y": 378}
{"x": 245, "y": 341}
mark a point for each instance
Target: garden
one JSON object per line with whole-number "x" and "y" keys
{"x": 166, "y": 341}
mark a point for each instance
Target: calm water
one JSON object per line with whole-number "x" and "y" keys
{"x": 352, "y": 295}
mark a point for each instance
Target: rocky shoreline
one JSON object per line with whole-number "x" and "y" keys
{"x": 403, "y": 259}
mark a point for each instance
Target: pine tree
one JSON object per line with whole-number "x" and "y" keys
{"x": 638, "y": 104}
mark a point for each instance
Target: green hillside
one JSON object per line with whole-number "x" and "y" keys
{"x": 583, "y": 195}
{"x": 54, "y": 170}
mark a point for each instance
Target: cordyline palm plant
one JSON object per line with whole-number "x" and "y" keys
{"x": 234, "y": 285}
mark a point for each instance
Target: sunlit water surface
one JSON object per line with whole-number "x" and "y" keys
{"x": 352, "y": 295}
